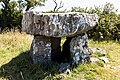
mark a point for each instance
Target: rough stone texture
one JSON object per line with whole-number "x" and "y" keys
{"x": 97, "y": 50}
{"x": 48, "y": 28}
{"x": 64, "y": 67}
{"x": 104, "y": 59}
{"x": 94, "y": 60}
{"x": 58, "y": 24}
{"x": 98, "y": 54}
{"x": 41, "y": 49}
{"x": 79, "y": 49}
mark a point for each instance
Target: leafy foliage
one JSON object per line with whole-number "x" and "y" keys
{"x": 10, "y": 16}
{"x": 109, "y": 22}
{"x": 30, "y": 3}
{"x": 12, "y": 12}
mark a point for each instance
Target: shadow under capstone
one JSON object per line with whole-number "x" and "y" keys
{"x": 65, "y": 55}
{"x": 60, "y": 54}
{"x": 56, "y": 49}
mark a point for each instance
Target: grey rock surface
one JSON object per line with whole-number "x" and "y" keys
{"x": 41, "y": 49}
{"x": 99, "y": 54}
{"x": 97, "y": 50}
{"x": 64, "y": 67}
{"x": 58, "y": 24}
{"x": 104, "y": 59}
{"x": 94, "y": 60}
{"x": 79, "y": 49}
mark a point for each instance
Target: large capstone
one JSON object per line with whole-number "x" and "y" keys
{"x": 58, "y": 24}
{"x": 48, "y": 28}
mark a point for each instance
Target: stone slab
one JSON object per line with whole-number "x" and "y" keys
{"x": 58, "y": 24}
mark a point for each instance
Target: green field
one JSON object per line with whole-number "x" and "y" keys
{"x": 15, "y": 63}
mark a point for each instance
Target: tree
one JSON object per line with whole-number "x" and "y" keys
{"x": 109, "y": 8}
{"x": 5, "y": 13}
{"x": 30, "y": 3}
{"x": 11, "y": 17}
{"x": 107, "y": 28}
{"x": 12, "y": 11}
{"x": 56, "y": 8}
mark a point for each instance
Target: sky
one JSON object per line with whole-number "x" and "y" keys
{"x": 49, "y": 4}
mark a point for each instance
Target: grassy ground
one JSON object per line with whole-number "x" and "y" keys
{"x": 15, "y": 63}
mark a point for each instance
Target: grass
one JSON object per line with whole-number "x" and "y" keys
{"x": 15, "y": 63}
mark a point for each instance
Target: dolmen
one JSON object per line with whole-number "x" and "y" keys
{"x": 49, "y": 28}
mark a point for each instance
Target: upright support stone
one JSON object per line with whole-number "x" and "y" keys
{"x": 41, "y": 49}
{"x": 79, "y": 49}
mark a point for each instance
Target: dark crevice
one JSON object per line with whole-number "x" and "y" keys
{"x": 56, "y": 54}
{"x": 56, "y": 49}
{"x": 66, "y": 56}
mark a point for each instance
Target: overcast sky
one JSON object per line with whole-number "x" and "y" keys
{"x": 49, "y": 4}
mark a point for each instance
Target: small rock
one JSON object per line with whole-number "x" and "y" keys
{"x": 98, "y": 50}
{"x": 92, "y": 50}
{"x": 64, "y": 67}
{"x": 94, "y": 60}
{"x": 68, "y": 72}
{"x": 103, "y": 52}
{"x": 104, "y": 59}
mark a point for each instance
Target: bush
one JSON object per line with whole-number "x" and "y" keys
{"x": 108, "y": 27}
